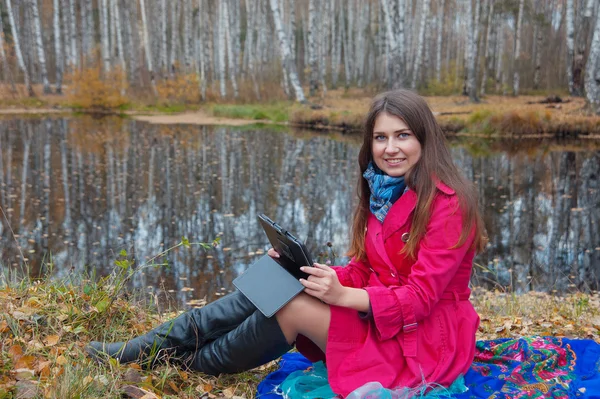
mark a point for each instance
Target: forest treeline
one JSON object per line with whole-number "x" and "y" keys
{"x": 260, "y": 49}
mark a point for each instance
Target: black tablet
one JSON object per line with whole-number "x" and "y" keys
{"x": 293, "y": 253}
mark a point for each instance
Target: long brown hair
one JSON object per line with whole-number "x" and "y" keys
{"x": 435, "y": 164}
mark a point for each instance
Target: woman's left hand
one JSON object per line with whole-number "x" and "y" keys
{"x": 323, "y": 283}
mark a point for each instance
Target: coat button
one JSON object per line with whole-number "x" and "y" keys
{"x": 404, "y": 237}
{"x": 393, "y": 275}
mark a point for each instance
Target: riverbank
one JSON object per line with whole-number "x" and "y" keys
{"x": 46, "y": 323}
{"x": 527, "y": 116}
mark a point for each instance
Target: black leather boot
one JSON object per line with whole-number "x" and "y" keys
{"x": 256, "y": 341}
{"x": 187, "y": 333}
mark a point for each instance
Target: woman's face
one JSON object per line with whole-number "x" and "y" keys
{"x": 395, "y": 148}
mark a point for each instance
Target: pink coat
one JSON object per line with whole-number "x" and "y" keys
{"x": 422, "y": 326}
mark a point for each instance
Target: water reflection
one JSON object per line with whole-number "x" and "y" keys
{"x": 80, "y": 190}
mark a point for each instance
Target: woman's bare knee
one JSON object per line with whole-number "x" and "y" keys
{"x": 307, "y": 316}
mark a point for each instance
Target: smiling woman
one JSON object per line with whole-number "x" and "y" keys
{"x": 398, "y": 313}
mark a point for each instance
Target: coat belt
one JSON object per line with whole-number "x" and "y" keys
{"x": 409, "y": 328}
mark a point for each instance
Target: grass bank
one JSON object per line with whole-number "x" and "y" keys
{"x": 495, "y": 116}
{"x": 45, "y": 324}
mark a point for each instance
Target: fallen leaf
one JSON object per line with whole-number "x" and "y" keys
{"x": 61, "y": 360}
{"x": 3, "y": 326}
{"x": 25, "y": 362}
{"x": 51, "y": 340}
{"x": 138, "y": 393}
{"x": 228, "y": 392}
{"x": 15, "y": 352}
{"x": 596, "y": 322}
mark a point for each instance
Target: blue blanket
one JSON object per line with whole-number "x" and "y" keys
{"x": 528, "y": 367}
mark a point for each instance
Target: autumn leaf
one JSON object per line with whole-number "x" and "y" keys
{"x": 15, "y": 352}
{"x": 61, "y": 360}
{"x": 51, "y": 340}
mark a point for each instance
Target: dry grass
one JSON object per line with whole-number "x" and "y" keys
{"x": 344, "y": 109}
{"x": 45, "y": 325}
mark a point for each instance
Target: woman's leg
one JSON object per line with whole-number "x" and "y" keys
{"x": 187, "y": 333}
{"x": 259, "y": 339}
{"x": 308, "y": 316}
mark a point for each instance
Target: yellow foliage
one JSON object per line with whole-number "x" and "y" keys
{"x": 182, "y": 89}
{"x": 89, "y": 88}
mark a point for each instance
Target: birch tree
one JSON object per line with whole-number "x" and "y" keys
{"x": 73, "y": 32}
{"x": 592, "y": 72}
{"x": 570, "y": 20}
{"x": 312, "y": 49}
{"x": 287, "y": 62}
{"x": 419, "y": 53}
{"x": 147, "y": 48}
{"x": 104, "y": 46}
{"x": 221, "y": 48}
{"x": 440, "y": 34}
{"x": 5, "y": 67}
{"x": 394, "y": 44}
{"x": 472, "y": 29}
{"x": 58, "y": 47}
{"x": 39, "y": 44}
{"x": 17, "y": 48}
{"x": 486, "y": 50}
{"x": 230, "y": 57}
{"x": 517, "y": 54}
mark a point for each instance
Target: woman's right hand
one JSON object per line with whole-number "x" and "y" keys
{"x": 273, "y": 254}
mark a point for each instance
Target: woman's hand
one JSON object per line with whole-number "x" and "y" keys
{"x": 272, "y": 253}
{"x": 323, "y": 283}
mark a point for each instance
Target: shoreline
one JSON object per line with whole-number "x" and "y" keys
{"x": 523, "y": 117}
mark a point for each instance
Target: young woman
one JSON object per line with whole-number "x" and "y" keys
{"x": 399, "y": 312}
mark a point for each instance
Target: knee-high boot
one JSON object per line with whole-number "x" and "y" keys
{"x": 256, "y": 341}
{"x": 184, "y": 334}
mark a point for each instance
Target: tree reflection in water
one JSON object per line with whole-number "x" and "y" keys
{"x": 81, "y": 190}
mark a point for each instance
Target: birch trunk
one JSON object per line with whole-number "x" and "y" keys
{"x": 582, "y": 47}
{"x": 187, "y": 58}
{"x": 58, "y": 47}
{"x": 39, "y": 44}
{"x": 500, "y": 57}
{"x": 393, "y": 43}
{"x": 592, "y": 73}
{"x": 17, "y": 48}
{"x": 440, "y": 33}
{"x": 312, "y": 49}
{"x": 287, "y": 62}
{"x": 472, "y": 50}
{"x": 131, "y": 48}
{"x": 335, "y": 45}
{"x": 221, "y": 48}
{"x": 163, "y": 36}
{"x": 570, "y": 43}
{"x": 517, "y": 55}
{"x": 486, "y": 51}
{"x": 539, "y": 38}
{"x": 73, "y": 32}
{"x": 117, "y": 18}
{"x": 202, "y": 60}
{"x": 174, "y": 35}
{"x": 147, "y": 48}
{"x": 230, "y": 57}
{"x": 5, "y": 67}
{"x": 419, "y": 53}
{"x": 104, "y": 46}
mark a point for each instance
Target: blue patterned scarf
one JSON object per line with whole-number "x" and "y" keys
{"x": 385, "y": 190}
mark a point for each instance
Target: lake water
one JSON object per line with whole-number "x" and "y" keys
{"x": 77, "y": 191}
